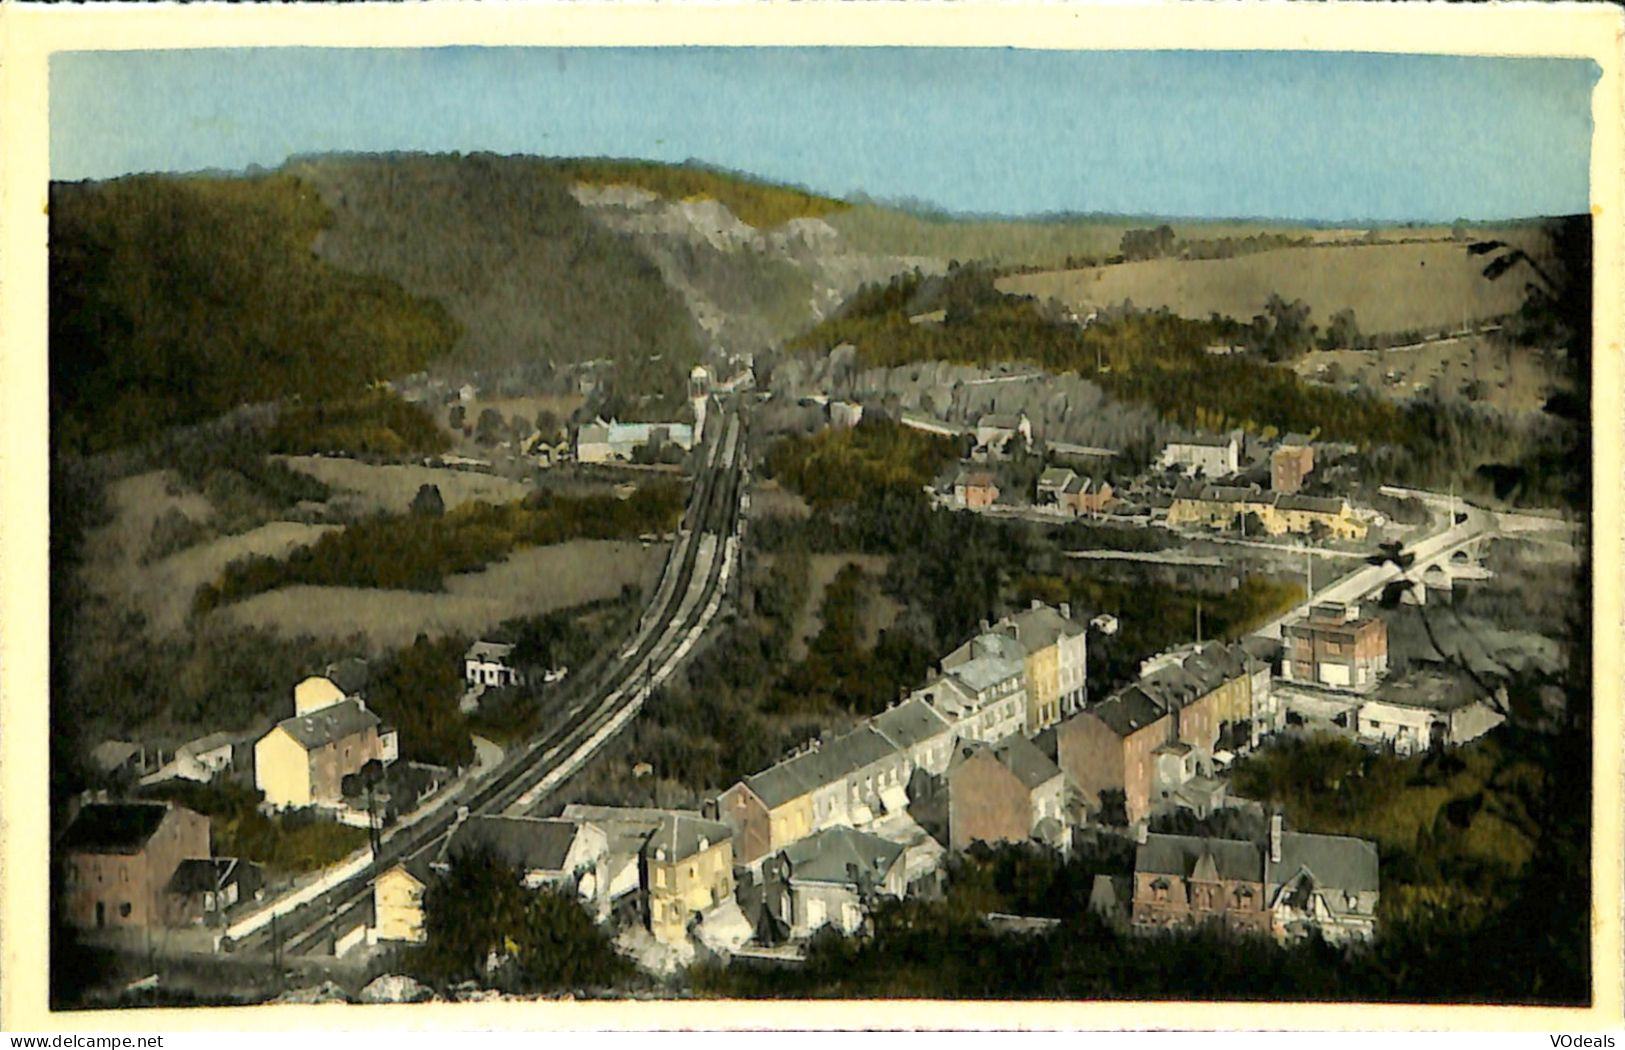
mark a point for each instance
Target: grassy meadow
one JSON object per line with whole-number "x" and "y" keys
{"x": 1425, "y": 287}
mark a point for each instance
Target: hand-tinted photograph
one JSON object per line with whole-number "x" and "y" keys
{"x": 819, "y": 523}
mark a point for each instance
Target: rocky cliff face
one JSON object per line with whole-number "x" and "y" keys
{"x": 748, "y": 289}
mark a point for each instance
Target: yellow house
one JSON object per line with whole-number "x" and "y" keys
{"x": 689, "y": 869}
{"x": 1217, "y": 684}
{"x": 315, "y": 693}
{"x": 774, "y": 808}
{"x": 1054, "y": 659}
{"x": 303, "y": 760}
{"x": 1219, "y": 506}
{"x": 397, "y": 903}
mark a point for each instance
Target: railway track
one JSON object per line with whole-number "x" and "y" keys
{"x": 606, "y": 698}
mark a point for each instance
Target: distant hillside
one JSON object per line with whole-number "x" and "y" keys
{"x": 753, "y": 201}
{"x": 503, "y": 245}
{"x": 175, "y": 299}
{"x": 1040, "y": 241}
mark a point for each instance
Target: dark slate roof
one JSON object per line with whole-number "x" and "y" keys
{"x": 860, "y": 748}
{"x": 1171, "y": 688}
{"x": 204, "y": 875}
{"x": 790, "y": 779}
{"x": 1040, "y": 628}
{"x": 526, "y": 843}
{"x": 909, "y": 723}
{"x": 1128, "y": 711}
{"x": 114, "y": 827}
{"x": 1336, "y": 861}
{"x": 1180, "y": 854}
{"x": 682, "y": 836}
{"x": 329, "y": 724}
{"x": 349, "y": 674}
{"x": 1205, "y": 441}
{"x": 1022, "y": 757}
{"x": 831, "y": 855}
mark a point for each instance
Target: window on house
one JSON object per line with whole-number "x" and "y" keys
{"x": 660, "y": 877}
{"x": 123, "y": 873}
{"x": 124, "y": 910}
{"x": 1159, "y": 889}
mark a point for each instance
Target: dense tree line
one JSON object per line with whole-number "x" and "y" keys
{"x": 484, "y": 926}
{"x": 375, "y": 423}
{"x": 294, "y": 841}
{"x": 416, "y": 690}
{"x": 418, "y": 551}
{"x": 839, "y": 669}
{"x": 175, "y": 299}
{"x": 836, "y": 465}
{"x": 1154, "y": 619}
{"x": 244, "y": 487}
{"x": 1159, "y": 359}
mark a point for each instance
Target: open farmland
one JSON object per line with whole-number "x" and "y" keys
{"x": 1041, "y": 242}
{"x": 162, "y": 590}
{"x": 529, "y": 582}
{"x": 1425, "y": 287}
{"x": 1516, "y": 380}
{"x": 390, "y": 487}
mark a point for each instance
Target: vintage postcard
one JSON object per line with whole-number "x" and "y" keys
{"x": 1013, "y": 516}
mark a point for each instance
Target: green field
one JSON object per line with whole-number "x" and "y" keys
{"x": 1421, "y": 287}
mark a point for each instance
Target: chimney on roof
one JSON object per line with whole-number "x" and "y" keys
{"x": 1066, "y": 610}
{"x": 1037, "y": 604}
{"x": 705, "y": 843}
{"x": 986, "y": 627}
{"x": 1141, "y": 832}
{"x": 1275, "y": 838}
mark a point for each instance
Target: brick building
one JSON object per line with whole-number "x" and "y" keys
{"x": 1289, "y": 466}
{"x": 1334, "y": 646}
{"x": 1004, "y": 792}
{"x": 119, "y": 858}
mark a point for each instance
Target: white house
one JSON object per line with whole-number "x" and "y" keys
{"x": 1425, "y": 709}
{"x": 601, "y": 442}
{"x": 489, "y": 664}
{"x": 995, "y": 433}
{"x": 1211, "y": 457}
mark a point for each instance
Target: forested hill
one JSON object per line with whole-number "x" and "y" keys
{"x": 175, "y": 299}
{"x": 502, "y": 243}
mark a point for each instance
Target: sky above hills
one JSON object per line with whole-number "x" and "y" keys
{"x": 1283, "y": 135}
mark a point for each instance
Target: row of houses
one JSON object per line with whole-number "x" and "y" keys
{"x": 1157, "y": 740}
{"x": 1016, "y": 678}
{"x": 1278, "y": 513}
{"x": 1291, "y": 461}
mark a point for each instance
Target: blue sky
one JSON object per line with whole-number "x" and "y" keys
{"x": 994, "y": 131}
